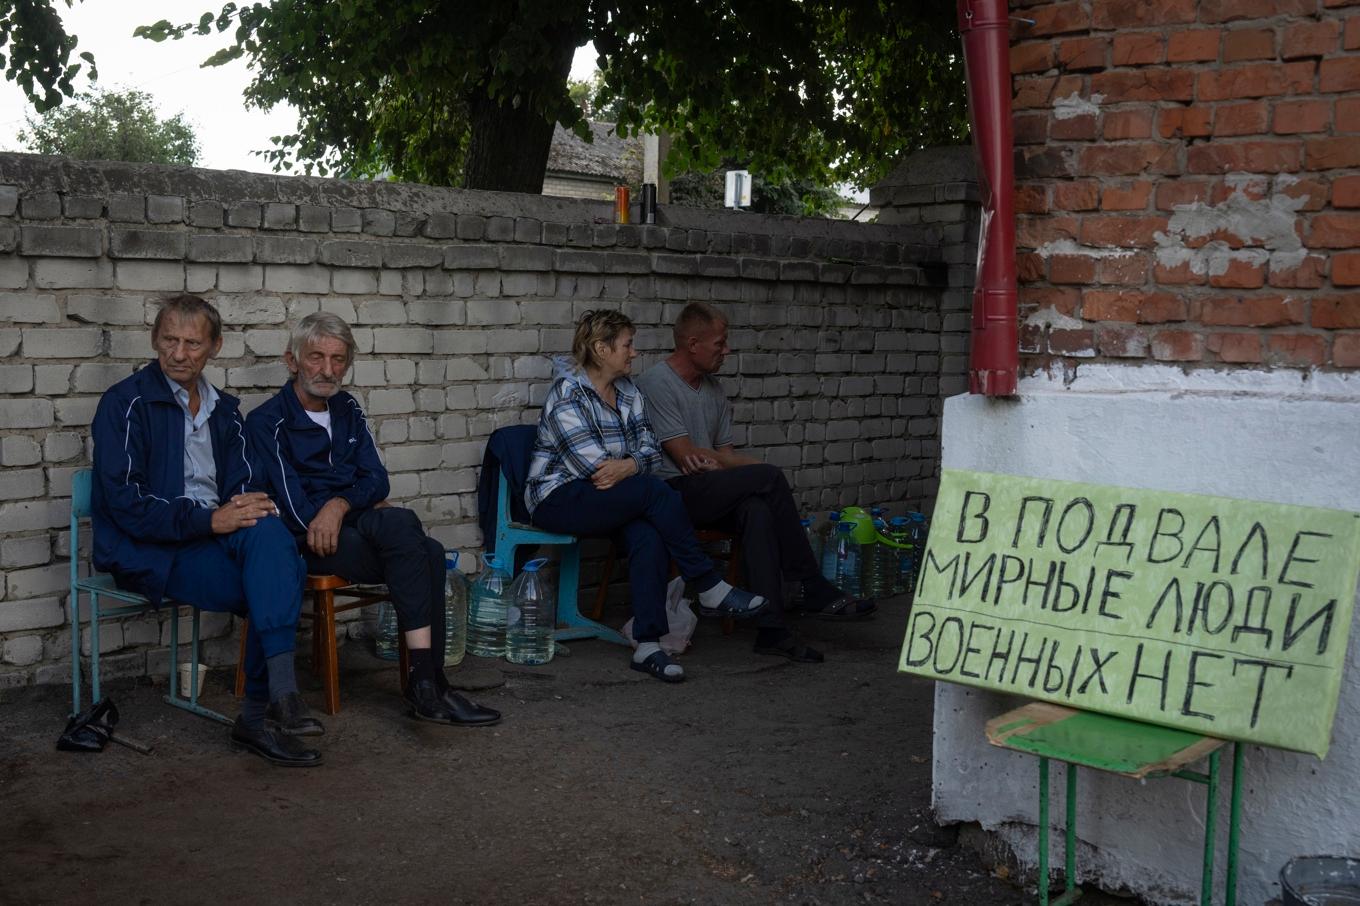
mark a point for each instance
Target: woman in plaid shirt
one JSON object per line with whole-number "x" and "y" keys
{"x": 590, "y": 475}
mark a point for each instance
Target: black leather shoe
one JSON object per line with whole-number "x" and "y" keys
{"x": 293, "y": 717}
{"x": 273, "y": 745}
{"x": 427, "y": 703}
{"x": 467, "y": 713}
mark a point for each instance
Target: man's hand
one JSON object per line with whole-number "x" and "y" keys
{"x": 242, "y": 511}
{"x": 692, "y": 458}
{"x": 323, "y": 535}
{"x": 698, "y": 462}
{"x": 612, "y": 471}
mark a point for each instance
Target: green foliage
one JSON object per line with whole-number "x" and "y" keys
{"x": 796, "y": 196}
{"x": 35, "y": 51}
{"x": 826, "y": 91}
{"x": 829, "y": 91}
{"x": 112, "y": 125}
{"x": 387, "y": 85}
{"x": 586, "y": 94}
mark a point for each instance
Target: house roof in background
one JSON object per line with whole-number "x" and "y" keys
{"x": 609, "y": 156}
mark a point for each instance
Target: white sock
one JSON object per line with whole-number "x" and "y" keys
{"x": 647, "y": 649}
{"x": 714, "y": 596}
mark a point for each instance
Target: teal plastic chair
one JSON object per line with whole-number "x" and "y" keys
{"x": 511, "y": 535}
{"x": 130, "y": 604}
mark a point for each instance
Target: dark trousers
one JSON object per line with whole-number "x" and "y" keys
{"x": 389, "y": 545}
{"x": 655, "y": 529}
{"x": 254, "y": 572}
{"x": 756, "y": 504}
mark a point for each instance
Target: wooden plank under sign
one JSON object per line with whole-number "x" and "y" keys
{"x": 1099, "y": 741}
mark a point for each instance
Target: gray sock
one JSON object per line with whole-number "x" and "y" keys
{"x": 252, "y": 712}
{"x": 282, "y": 680}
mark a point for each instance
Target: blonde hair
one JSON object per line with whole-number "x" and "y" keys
{"x": 599, "y": 326}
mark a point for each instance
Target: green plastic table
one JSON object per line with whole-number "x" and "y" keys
{"x": 1118, "y": 746}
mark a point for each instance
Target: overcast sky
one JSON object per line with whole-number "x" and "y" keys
{"x": 211, "y": 98}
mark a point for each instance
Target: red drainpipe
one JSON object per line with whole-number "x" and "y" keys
{"x": 994, "y": 357}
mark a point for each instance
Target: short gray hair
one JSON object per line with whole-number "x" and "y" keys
{"x": 317, "y": 325}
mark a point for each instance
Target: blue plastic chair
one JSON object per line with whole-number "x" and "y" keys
{"x": 511, "y": 535}
{"x": 97, "y": 586}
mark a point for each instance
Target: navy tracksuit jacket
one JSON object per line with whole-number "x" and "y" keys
{"x": 346, "y": 464}
{"x": 139, "y": 512}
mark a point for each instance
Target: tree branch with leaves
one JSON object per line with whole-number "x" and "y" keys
{"x": 35, "y": 52}
{"x": 466, "y": 92}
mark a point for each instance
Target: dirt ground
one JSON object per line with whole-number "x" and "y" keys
{"x": 755, "y": 781}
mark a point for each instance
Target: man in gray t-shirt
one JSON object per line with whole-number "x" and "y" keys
{"x": 727, "y": 490}
{"x": 677, "y": 409}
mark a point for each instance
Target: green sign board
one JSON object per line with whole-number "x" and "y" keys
{"x": 1224, "y": 617}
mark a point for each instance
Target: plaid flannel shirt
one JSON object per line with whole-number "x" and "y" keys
{"x": 577, "y": 431}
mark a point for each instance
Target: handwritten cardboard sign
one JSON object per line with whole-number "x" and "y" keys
{"x": 1223, "y": 617}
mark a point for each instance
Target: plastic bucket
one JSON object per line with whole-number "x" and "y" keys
{"x": 186, "y": 675}
{"x": 1320, "y": 881}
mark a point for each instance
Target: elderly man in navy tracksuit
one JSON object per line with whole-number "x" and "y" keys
{"x": 329, "y": 483}
{"x": 178, "y": 513}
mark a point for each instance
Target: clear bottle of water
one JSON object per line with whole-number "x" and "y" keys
{"x": 793, "y": 593}
{"x": 885, "y": 556}
{"x": 531, "y": 617}
{"x": 868, "y": 566}
{"x": 486, "y": 614}
{"x": 905, "y": 555}
{"x": 847, "y": 560}
{"x": 919, "y": 529}
{"x": 385, "y": 635}
{"x": 455, "y": 611}
{"x": 828, "y": 536}
{"x": 814, "y": 539}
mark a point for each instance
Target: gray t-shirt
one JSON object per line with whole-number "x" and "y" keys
{"x": 676, "y": 409}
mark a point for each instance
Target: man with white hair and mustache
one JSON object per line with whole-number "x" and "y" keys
{"x": 331, "y": 487}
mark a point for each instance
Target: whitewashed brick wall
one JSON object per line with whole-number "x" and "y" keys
{"x": 846, "y": 337}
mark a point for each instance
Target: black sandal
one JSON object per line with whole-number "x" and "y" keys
{"x": 737, "y": 605}
{"x": 844, "y": 608}
{"x": 656, "y": 664}
{"x": 794, "y": 650}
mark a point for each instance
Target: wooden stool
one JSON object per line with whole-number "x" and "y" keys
{"x": 705, "y": 536}
{"x": 325, "y": 659}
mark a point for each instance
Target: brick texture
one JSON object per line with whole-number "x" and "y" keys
{"x": 849, "y": 335}
{"x": 1196, "y": 201}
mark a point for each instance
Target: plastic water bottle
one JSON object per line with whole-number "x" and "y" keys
{"x": 905, "y": 555}
{"x": 455, "y": 611}
{"x": 385, "y": 636}
{"x": 828, "y": 535}
{"x": 847, "y": 560}
{"x": 486, "y": 615}
{"x": 531, "y": 617}
{"x": 793, "y": 593}
{"x": 814, "y": 540}
{"x": 919, "y": 529}
{"x": 884, "y": 578}
{"x": 876, "y": 559}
